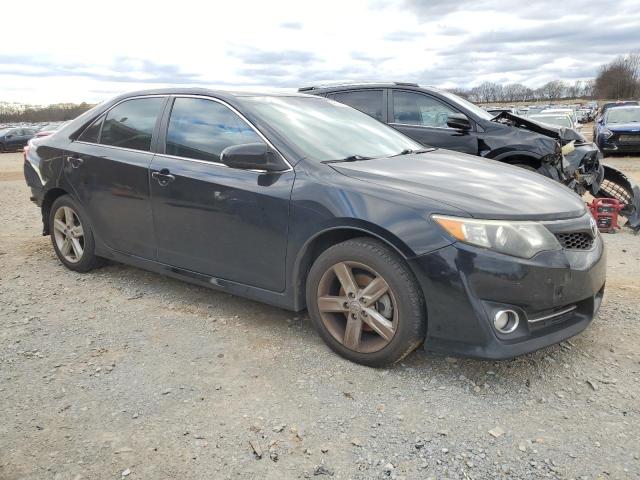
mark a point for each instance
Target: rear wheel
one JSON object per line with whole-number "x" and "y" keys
{"x": 365, "y": 302}
{"x": 72, "y": 236}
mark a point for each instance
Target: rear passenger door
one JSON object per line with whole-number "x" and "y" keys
{"x": 108, "y": 168}
{"x": 424, "y": 118}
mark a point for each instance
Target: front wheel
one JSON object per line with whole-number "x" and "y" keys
{"x": 365, "y": 302}
{"x": 72, "y": 236}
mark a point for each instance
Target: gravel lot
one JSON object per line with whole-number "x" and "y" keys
{"x": 124, "y": 373}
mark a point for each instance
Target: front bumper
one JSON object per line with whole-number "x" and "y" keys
{"x": 614, "y": 145}
{"x": 464, "y": 286}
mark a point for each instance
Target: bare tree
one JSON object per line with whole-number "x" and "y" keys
{"x": 619, "y": 79}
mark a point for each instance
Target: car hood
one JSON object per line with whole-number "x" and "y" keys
{"x": 633, "y": 127}
{"x": 565, "y": 135}
{"x": 482, "y": 188}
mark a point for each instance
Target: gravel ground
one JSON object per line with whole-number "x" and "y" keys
{"x": 124, "y": 373}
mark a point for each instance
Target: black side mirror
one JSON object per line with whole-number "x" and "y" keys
{"x": 252, "y": 156}
{"x": 458, "y": 121}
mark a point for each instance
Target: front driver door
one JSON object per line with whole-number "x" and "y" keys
{"x": 424, "y": 118}
{"x": 227, "y": 223}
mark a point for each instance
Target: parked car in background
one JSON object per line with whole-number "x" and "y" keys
{"x": 498, "y": 110}
{"x": 559, "y": 120}
{"x": 303, "y": 202}
{"x": 618, "y": 130}
{"x": 441, "y": 119}
{"x": 13, "y": 139}
{"x": 570, "y": 112}
{"x": 584, "y": 115}
{"x": 49, "y": 129}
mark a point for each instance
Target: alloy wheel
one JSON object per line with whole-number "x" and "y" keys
{"x": 69, "y": 234}
{"x": 357, "y": 306}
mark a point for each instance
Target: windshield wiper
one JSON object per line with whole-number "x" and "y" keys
{"x": 350, "y": 158}
{"x": 408, "y": 151}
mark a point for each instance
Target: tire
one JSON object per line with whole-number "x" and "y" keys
{"x": 86, "y": 260}
{"x": 388, "y": 326}
{"x": 2, "y": 148}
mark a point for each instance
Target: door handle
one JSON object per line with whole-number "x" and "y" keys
{"x": 163, "y": 177}
{"x": 75, "y": 162}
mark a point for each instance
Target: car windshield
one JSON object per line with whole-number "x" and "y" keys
{"x": 325, "y": 130}
{"x": 4, "y": 131}
{"x": 623, "y": 115}
{"x": 461, "y": 102}
{"x": 559, "y": 120}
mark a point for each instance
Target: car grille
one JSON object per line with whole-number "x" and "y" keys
{"x": 575, "y": 240}
{"x": 629, "y": 138}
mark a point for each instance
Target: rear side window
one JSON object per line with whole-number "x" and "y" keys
{"x": 131, "y": 124}
{"x": 416, "y": 109}
{"x": 201, "y": 129}
{"x": 367, "y": 101}
{"x": 92, "y": 133}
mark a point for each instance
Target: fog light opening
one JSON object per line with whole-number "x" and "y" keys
{"x": 506, "y": 321}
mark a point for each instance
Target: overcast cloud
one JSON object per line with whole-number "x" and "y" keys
{"x": 85, "y": 51}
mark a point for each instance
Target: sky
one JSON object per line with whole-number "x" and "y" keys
{"x": 74, "y": 51}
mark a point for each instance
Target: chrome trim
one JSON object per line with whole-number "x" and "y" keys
{"x": 215, "y": 164}
{"x": 515, "y": 324}
{"x": 555, "y": 314}
{"x": 422, "y": 126}
{"x": 205, "y": 97}
{"x": 117, "y": 148}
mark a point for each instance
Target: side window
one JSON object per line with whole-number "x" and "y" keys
{"x": 91, "y": 134}
{"x": 416, "y": 109}
{"x": 201, "y": 129}
{"x": 130, "y": 124}
{"x": 367, "y": 101}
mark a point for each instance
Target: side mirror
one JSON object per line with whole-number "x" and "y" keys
{"x": 9, "y": 136}
{"x": 458, "y": 121}
{"x": 251, "y": 156}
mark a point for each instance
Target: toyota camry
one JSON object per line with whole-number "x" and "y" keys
{"x": 305, "y": 203}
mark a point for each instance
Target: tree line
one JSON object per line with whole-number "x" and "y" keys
{"x": 59, "y": 112}
{"x": 490, "y": 92}
{"x": 617, "y": 80}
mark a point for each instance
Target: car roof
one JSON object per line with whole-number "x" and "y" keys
{"x": 223, "y": 94}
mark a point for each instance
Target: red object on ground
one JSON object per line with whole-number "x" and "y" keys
{"x": 605, "y": 211}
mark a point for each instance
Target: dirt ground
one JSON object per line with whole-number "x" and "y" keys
{"x": 121, "y": 373}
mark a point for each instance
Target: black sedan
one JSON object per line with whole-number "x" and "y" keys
{"x": 15, "y": 138}
{"x": 302, "y": 202}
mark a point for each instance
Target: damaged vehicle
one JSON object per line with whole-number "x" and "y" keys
{"x": 438, "y": 118}
{"x": 302, "y": 202}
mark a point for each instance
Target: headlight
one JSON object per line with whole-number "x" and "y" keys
{"x": 520, "y": 239}
{"x": 607, "y": 133}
